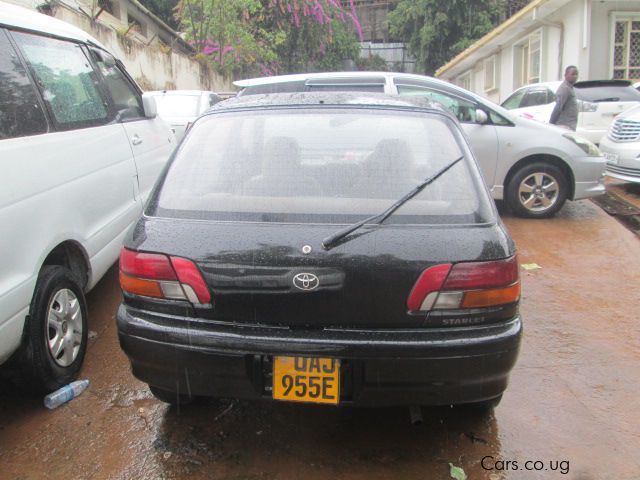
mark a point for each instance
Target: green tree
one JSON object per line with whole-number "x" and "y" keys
{"x": 271, "y": 36}
{"x": 222, "y": 31}
{"x": 342, "y": 46}
{"x": 436, "y": 31}
{"x": 372, "y": 63}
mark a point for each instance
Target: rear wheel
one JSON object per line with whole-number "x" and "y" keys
{"x": 55, "y": 332}
{"x": 172, "y": 398}
{"x": 484, "y": 405}
{"x": 537, "y": 190}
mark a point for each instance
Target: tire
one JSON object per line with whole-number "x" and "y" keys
{"x": 537, "y": 190}
{"x": 489, "y": 404}
{"x": 484, "y": 405}
{"x": 55, "y": 336}
{"x": 172, "y": 398}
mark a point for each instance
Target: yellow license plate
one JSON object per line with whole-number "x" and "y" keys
{"x": 304, "y": 379}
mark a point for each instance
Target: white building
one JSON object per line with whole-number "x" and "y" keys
{"x": 600, "y": 37}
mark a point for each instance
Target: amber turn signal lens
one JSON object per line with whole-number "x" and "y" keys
{"x": 138, "y": 286}
{"x": 493, "y": 297}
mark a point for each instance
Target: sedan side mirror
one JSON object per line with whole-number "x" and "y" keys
{"x": 481, "y": 116}
{"x": 149, "y": 105}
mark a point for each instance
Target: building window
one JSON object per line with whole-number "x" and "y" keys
{"x": 136, "y": 25}
{"x": 490, "y": 74}
{"x": 464, "y": 81}
{"x": 110, "y": 6}
{"x": 626, "y": 48}
{"x": 527, "y": 60}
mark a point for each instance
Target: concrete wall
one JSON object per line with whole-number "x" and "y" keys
{"x": 153, "y": 66}
{"x": 572, "y": 18}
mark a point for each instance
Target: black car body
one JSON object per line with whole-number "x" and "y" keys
{"x": 262, "y": 269}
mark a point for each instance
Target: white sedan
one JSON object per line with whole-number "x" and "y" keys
{"x": 599, "y": 102}
{"x": 621, "y": 147}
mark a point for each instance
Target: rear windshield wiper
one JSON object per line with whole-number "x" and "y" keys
{"x": 331, "y": 241}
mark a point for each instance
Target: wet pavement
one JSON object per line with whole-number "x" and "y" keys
{"x": 573, "y": 403}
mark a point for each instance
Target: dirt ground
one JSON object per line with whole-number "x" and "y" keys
{"x": 572, "y": 406}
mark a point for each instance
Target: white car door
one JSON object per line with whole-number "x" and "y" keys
{"x": 151, "y": 139}
{"x": 483, "y": 137}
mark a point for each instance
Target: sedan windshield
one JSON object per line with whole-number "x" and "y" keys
{"x": 325, "y": 166}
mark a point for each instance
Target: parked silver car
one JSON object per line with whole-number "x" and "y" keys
{"x": 621, "y": 146}
{"x": 179, "y": 108}
{"x": 532, "y": 166}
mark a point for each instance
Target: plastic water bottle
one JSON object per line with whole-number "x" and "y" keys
{"x": 66, "y": 393}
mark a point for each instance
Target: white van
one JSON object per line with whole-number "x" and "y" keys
{"x": 80, "y": 149}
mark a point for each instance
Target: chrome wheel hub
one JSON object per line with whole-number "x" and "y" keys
{"x": 538, "y": 192}
{"x": 64, "y": 327}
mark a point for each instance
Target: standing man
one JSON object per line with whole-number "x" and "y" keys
{"x": 565, "y": 113}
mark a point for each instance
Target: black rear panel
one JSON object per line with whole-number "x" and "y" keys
{"x": 363, "y": 283}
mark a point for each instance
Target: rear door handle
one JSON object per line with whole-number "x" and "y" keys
{"x": 136, "y": 140}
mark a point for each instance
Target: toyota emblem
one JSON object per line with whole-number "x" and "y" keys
{"x": 306, "y": 281}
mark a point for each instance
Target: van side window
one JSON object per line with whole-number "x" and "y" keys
{"x": 20, "y": 111}
{"x": 66, "y": 79}
{"x": 127, "y": 100}
{"x": 464, "y": 110}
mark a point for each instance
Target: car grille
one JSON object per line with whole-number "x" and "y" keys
{"x": 624, "y": 130}
{"x": 632, "y": 172}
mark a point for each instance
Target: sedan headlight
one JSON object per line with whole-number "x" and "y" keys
{"x": 588, "y": 147}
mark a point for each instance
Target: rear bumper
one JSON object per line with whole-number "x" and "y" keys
{"x": 405, "y": 367}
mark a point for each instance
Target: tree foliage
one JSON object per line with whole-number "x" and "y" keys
{"x": 436, "y": 30}
{"x": 271, "y": 36}
{"x": 373, "y": 62}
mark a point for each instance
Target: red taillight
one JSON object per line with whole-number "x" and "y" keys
{"x": 430, "y": 281}
{"x": 146, "y": 265}
{"x": 472, "y": 275}
{"x": 155, "y": 275}
{"x": 466, "y": 285}
{"x": 189, "y": 275}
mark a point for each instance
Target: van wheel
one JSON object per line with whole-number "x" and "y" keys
{"x": 56, "y": 331}
{"x": 537, "y": 190}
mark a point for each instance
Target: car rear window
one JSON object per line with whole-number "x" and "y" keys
{"x": 608, "y": 94}
{"x": 322, "y": 166}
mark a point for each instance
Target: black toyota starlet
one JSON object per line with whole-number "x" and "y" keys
{"x": 327, "y": 248}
